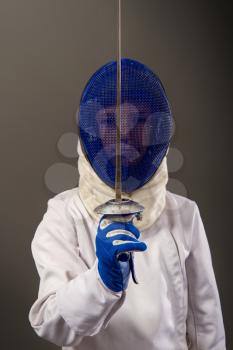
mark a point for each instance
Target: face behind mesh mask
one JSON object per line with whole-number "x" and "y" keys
{"x": 146, "y": 123}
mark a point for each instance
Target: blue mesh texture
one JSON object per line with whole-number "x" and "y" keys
{"x": 146, "y": 123}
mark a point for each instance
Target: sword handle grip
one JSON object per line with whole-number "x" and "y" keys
{"x": 128, "y": 256}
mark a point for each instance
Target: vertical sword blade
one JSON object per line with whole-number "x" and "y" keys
{"x": 118, "y": 188}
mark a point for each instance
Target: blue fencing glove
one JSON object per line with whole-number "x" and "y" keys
{"x": 116, "y": 240}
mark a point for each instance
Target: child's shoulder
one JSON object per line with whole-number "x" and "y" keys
{"x": 178, "y": 202}
{"x": 62, "y": 203}
{"x": 65, "y": 195}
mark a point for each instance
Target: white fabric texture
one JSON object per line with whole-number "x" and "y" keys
{"x": 176, "y": 294}
{"x": 94, "y": 192}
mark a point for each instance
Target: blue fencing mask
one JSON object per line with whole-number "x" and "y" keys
{"x": 146, "y": 123}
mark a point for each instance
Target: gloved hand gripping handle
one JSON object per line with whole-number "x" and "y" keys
{"x": 116, "y": 241}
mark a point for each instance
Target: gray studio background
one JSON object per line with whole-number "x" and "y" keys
{"x": 49, "y": 48}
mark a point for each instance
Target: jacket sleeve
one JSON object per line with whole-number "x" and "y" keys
{"x": 72, "y": 300}
{"x": 205, "y": 326}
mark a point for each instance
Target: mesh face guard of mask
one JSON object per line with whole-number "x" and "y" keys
{"x": 146, "y": 123}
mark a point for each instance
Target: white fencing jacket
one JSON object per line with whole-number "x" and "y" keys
{"x": 175, "y": 306}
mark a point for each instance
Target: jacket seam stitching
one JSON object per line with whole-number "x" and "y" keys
{"x": 192, "y": 310}
{"x": 177, "y": 248}
{"x": 193, "y": 313}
